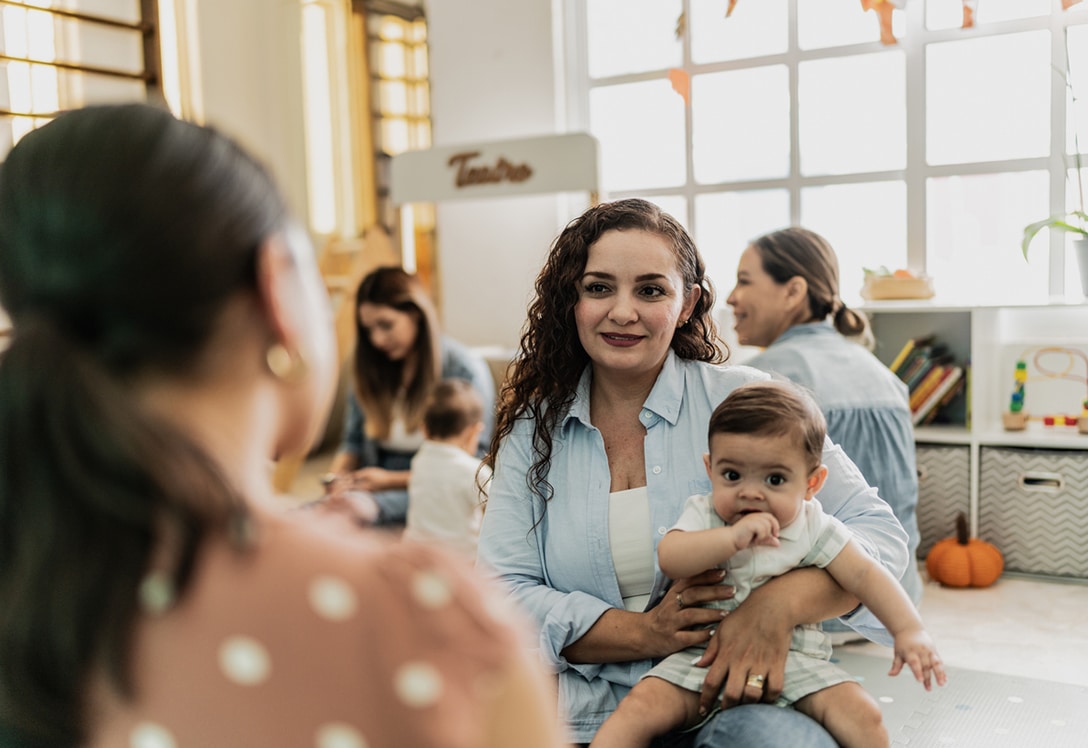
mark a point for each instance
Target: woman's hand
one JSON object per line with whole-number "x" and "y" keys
{"x": 679, "y": 620}
{"x": 676, "y": 622}
{"x": 752, "y": 642}
{"x": 366, "y": 479}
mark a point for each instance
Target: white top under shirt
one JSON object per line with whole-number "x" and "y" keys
{"x": 629, "y": 535}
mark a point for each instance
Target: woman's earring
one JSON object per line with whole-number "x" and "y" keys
{"x": 285, "y": 366}
{"x": 682, "y": 323}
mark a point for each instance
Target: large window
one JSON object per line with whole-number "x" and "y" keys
{"x": 62, "y": 54}
{"x": 931, "y": 153}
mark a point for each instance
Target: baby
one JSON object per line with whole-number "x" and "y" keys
{"x": 760, "y": 520}
{"x": 444, "y": 502}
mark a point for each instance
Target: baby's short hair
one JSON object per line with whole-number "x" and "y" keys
{"x": 773, "y": 408}
{"x": 452, "y": 407}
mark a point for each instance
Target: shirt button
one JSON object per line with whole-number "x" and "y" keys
{"x": 657, "y": 469}
{"x": 646, "y": 415}
{"x": 661, "y": 530}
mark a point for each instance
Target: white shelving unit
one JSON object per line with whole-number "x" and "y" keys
{"x": 990, "y": 337}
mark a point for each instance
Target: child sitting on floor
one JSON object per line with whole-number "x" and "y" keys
{"x": 760, "y": 520}
{"x": 444, "y": 501}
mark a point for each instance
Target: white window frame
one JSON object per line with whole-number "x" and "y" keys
{"x": 917, "y": 171}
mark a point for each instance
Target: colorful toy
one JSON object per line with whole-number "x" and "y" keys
{"x": 963, "y": 561}
{"x": 1017, "y": 416}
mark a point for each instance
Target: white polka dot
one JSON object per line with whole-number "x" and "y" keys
{"x": 244, "y": 660}
{"x": 150, "y": 735}
{"x": 418, "y": 684}
{"x": 431, "y": 590}
{"x": 339, "y": 735}
{"x": 1016, "y": 700}
{"x": 886, "y": 700}
{"x": 332, "y": 598}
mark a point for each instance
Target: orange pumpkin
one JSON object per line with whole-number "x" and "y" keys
{"x": 964, "y": 562}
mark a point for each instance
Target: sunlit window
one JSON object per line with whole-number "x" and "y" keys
{"x": 62, "y": 55}
{"x": 928, "y": 146}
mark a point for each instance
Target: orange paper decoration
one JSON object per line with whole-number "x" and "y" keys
{"x": 681, "y": 83}
{"x": 884, "y": 10}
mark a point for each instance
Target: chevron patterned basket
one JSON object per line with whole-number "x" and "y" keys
{"x": 1033, "y": 505}
{"x": 944, "y": 490}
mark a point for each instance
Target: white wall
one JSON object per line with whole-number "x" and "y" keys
{"x": 250, "y": 82}
{"x": 493, "y": 77}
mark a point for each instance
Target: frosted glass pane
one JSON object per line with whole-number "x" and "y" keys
{"x": 975, "y": 224}
{"x": 755, "y": 29}
{"x": 866, "y": 223}
{"x": 726, "y": 222}
{"x": 853, "y": 114}
{"x": 832, "y": 23}
{"x": 1078, "y": 79}
{"x": 988, "y": 99}
{"x": 741, "y": 124}
{"x": 948, "y": 14}
{"x": 632, "y": 36}
{"x": 640, "y": 127}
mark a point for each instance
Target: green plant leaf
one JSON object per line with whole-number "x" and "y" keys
{"x": 1059, "y": 222}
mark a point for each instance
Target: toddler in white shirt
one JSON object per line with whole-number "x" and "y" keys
{"x": 445, "y": 501}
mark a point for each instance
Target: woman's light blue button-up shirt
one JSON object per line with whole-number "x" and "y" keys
{"x": 558, "y": 563}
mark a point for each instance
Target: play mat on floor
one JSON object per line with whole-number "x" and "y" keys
{"x": 988, "y": 710}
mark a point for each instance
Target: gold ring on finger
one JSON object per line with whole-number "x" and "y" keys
{"x": 755, "y": 681}
{"x": 680, "y": 600}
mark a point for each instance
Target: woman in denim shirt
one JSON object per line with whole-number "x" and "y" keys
{"x": 787, "y": 299}
{"x": 399, "y": 356}
{"x": 599, "y": 440}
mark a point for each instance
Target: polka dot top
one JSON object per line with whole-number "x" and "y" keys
{"x": 324, "y": 636}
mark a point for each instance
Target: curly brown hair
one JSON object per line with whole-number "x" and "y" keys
{"x": 541, "y": 384}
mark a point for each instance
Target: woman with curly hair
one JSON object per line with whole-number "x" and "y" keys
{"x": 599, "y": 440}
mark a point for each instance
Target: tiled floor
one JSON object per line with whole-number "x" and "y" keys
{"x": 1019, "y": 626}
{"x": 1023, "y": 626}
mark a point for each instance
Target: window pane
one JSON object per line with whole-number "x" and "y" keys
{"x": 392, "y": 98}
{"x": 856, "y": 127}
{"x": 866, "y": 223}
{"x": 640, "y": 127}
{"x": 755, "y": 29}
{"x": 832, "y": 23}
{"x": 975, "y": 224}
{"x": 948, "y": 14}
{"x": 1078, "y": 80}
{"x": 632, "y": 36}
{"x": 741, "y": 124}
{"x": 725, "y": 223}
{"x": 390, "y": 63}
{"x": 988, "y": 99}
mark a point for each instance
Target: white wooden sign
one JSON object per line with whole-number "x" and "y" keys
{"x": 528, "y": 166}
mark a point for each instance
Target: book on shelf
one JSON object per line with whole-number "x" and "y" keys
{"x": 932, "y": 375}
{"x": 900, "y": 359}
{"x": 939, "y": 394}
{"x": 954, "y": 391}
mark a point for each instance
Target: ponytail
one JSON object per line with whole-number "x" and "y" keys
{"x": 89, "y": 478}
{"x": 852, "y": 324}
